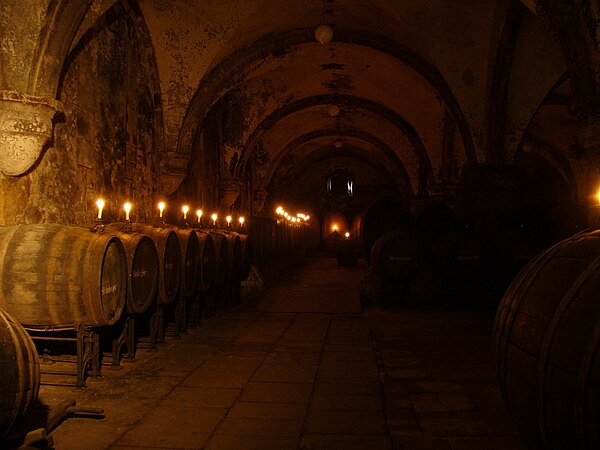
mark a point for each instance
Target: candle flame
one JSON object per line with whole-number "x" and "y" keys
{"x": 185, "y": 209}
{"x": 100, "y": 205}
{"x": 199, "y": 214}
{"x": 214, "y": 218}
{"x": 127, "y": 208}
{"x": 161, "y": 208}
{"x": 598, "y": 196}
{"x": 334, "y": 227}
{"x": 228, "y": 219}
{"x": 347, "y": 234}
{"x": 242, "y": 219}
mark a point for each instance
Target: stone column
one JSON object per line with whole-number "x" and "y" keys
{"x": 26, "y": 127}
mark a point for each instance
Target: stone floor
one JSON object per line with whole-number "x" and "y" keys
{"x": 303, "y": 369}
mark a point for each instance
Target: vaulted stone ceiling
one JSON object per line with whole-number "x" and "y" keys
{"x": 425, "y": 88}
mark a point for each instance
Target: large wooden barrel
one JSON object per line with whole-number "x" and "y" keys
{"x": 221, "y": 258}
{"x": 190, "y": 260}
{"x": 433, "y": 223}
{"x": 262, "y": 231}
{"x": 20, "y": 373}
{"x": 142, "y": 268}
{"x": 466, "y": 268}
{"x": 169, "y": 259}
{"x": 234, "y": 257}
{"x": 509, "y": 251}
{"x": 247, "y": 256}
{"x": 207, "y": 266}
{"x": 58, "y": 276}
{"x": 396, "y": 255}
{"x": 547, "y": 339}
{"x": 379, "y": 218}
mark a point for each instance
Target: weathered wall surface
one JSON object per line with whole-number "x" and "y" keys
{"x": 200, "y": 188}
{"x": 107, "y": 142}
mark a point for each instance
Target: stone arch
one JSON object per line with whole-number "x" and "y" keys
{"x": 235, "y": 67}
{"x": 343, "y": 100}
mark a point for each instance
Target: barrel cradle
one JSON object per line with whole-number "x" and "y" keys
{"x": 142, "y": 268}
{"x": 20, "y": 373}
{"x": 169, "y": 259}
{"x": 547, "y": 337}
{"x": 59, "y": 275}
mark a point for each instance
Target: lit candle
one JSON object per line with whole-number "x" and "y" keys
{"x": 185, "y": 209}
{"x": 279, "y": 210}
{"x": 199, "y": 214}
{"x": 334, "y": 228}
{"x": 214, "y": 219}
{"x": 242, "y": 220}
{"x": 598, "y": 196}
{"x": 127, "y": 208}
{"x": 228, "y": 219}
{"x": 347, "y": 235}
{"x": 100, "y": 205}
{"x": 307, "y": 218}
{"x": 161, "y": 208}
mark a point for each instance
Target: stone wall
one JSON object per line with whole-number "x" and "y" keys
{"x": 109, "y": 134}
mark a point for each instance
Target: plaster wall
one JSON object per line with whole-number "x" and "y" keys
{"x": 106, "y": 143}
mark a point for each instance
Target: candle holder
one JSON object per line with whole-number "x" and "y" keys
{"x": 98, "y": 226}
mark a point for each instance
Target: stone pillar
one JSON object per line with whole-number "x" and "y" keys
{"x": 26, "y": 126}
{"x": 229, "y": 191}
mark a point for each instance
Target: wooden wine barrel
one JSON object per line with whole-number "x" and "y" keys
{"x": 466, "y": 271}
{"x": 234, "y": 257}
{"x": 334, "y": 221}
{"x": 247, "y": 256}
{"x": 509, "y": 251}
{"x": 396, "y": 255}
{"x": 169, "y": 260}
{"x": 58, "y": 276}
{"x": 547, "y": 339}
{"x": 221, "y": 258}
{"x": 190, "y": 260}
{"x": 434, "y": 222}
{"x": 355, "y": 228}
{"x": 379, "y": 218}
{"x": 142, "y": 268}
{"x": 313, "y": 233}
{"x": 207, "y": 266}
{"x": 20, "y": 373}
{"x": 262, "y": 231}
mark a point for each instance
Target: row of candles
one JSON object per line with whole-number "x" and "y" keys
{"x": 298, "y": 218}
{"x": 185, "y": 209}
